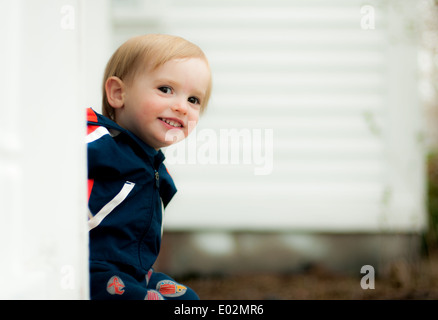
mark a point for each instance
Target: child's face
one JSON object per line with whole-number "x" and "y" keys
{"x": 167, "y": 98}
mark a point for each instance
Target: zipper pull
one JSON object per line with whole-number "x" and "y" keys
{"x": 157, "y": 179}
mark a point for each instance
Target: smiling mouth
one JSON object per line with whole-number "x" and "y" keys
{"x": 172, "y": 123}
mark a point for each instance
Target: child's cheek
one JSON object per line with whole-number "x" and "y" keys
{"x": 191, "y": 126}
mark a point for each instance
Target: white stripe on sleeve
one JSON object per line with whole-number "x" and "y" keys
{"x": 110, "y": 206}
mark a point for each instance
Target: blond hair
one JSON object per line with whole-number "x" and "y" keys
{"x": 152, "y": 50}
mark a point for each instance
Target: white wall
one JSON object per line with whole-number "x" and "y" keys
{"x": 42, "y": 148}
{"x": 323, "y": 97}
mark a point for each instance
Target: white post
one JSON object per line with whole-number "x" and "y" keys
{"x": 44, "y": 249}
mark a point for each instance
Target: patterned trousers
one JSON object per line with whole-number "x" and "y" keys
{"x": 109, "y": 281}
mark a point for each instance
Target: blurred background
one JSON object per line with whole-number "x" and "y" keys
{"x": 318, "y": 147}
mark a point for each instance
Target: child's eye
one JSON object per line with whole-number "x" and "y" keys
{"x": 167, "y": 90}
{"x": 194, "y": 100}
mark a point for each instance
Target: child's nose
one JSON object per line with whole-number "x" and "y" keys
{"x": 180, "y": 106}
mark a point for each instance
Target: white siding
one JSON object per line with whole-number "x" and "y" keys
{"x": 337, "y": 92}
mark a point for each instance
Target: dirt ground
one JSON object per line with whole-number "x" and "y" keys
{"x": 402, "y": 282}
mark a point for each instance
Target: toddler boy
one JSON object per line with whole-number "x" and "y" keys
{"x": 154, "y": 86}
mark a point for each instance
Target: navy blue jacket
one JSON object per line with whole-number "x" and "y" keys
{"x": 128, "y": 184}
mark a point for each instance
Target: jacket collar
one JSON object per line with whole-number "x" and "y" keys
{"x": 156, "y": 157}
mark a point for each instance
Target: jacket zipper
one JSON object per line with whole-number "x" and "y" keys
{"x": 157, "y": 179}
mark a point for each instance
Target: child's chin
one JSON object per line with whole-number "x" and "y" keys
{"x": 170, "y": 143}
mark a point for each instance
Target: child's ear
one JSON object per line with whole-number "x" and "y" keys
{"x": 115, "y": 92}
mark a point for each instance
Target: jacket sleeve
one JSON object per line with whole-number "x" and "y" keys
{"x": 101, "y": 154}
